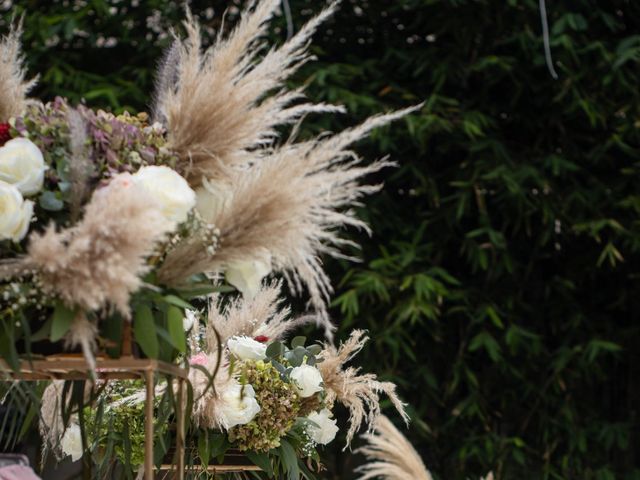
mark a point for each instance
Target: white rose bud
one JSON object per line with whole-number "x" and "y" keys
{"x": 71, "y": 442}
{"x": 239, "y": 405}
{"x": 22, "y": 165}
{"x": 307, "y": 379}
{"x": 247, "y": 275}
{"x": 325, "y": 428}
{"x": 15, "y": 213}
{"x": 246, "y": 348}
{"x": 172, "y": 192}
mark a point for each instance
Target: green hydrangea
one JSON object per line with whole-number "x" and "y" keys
{"x": 117, "y": 421}
{"x": 279, "y": 408}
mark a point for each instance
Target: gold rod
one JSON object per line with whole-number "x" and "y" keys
{"x": 148, "y": 426}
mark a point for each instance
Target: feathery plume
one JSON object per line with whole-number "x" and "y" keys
{"x": 293, "y": 204}
{"x": 83, "y": 333}
{"x": 262, "y": 315}
{"x": 80, "y": 166}
{"x": 13, "y": 94}
{"x": 99, "y": 261}
{"x": 219, "y": 110}
{"x": 360, "y": 393}
{"x": 207, "y": 390}
{"x": 51, "y": 421}
{"x": 166, "y": 78}
{"x": 390, "y": 455}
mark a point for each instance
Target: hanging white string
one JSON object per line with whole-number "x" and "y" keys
{"x": 287, "y": 15}
{"x": 545, "y": 39}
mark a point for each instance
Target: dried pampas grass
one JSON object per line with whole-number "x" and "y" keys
{"x": 360, "y": 393}
{"x": 98, "y": 262}
{"x": 51, "y": 422}
{"x": 222, "y": 107}
{"x": 293, "y": 204}
{"x": 216, "y": 102}
{"x": 261, "y": 315}
{"x": 208, "y": 388}
{"x": 390, "y": 455}
{"x": 80, "y": 166}
{"x": 14, "y": 87}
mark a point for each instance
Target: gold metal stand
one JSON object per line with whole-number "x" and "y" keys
{"x": 128, "y": 368}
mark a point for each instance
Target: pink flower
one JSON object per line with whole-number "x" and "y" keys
{"x": 199, "y": 359}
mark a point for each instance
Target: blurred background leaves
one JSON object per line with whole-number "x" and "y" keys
{"x": 501, "y": 285}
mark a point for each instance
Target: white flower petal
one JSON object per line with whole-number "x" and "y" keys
{"x": 15, "y": 213}
{"x": 22, "y": 165}
{"x": 246, "y": 348}
{"x": 324, "y": 428}
{"x": 307, "y": 380}
{"x": 239, "y": 405}
{"x": 172, "y": 192}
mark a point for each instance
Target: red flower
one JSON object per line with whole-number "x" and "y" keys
{"x": 261, "y": 339}
{"x": 5, "y": 135}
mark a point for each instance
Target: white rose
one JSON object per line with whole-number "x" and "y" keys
{"x": 211, "y": 200}
{"x": 247, "y": 275}
{"x": 22, "y": 165}
{"x": 172, "y": 192}
{"x": 246, "y": 348}
{"x": 239, "y": 405}
{"x": 15, "y": 213}
{"x": 307, "y": 379}
{"x": 71, "y": 442}
{"x": 325, "y": 428}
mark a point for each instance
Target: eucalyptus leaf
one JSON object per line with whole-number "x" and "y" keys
{"x": 49, "y": 201}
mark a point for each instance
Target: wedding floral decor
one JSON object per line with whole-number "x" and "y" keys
{"x": 166, "y": 225}
{"x": 258, "y": 394}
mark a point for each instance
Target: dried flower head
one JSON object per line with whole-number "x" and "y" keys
{"x": 360, "y": 393}
{"x": 279, "y": 407}
{"x": 261, "y": 316}
{"x": 390, "y": 456}
{"x": 98, "y": 262}
{"x": 219, "y": 104}
{"x": 13, "y": 97}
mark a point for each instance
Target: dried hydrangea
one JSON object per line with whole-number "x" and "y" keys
{"x": 116, "y": 143}
{"x": 279, "y": 403}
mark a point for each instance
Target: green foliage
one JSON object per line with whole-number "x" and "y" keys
{"x": 500, "y": 285}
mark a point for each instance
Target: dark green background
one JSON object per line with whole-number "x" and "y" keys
{"x": 501, "y": 286}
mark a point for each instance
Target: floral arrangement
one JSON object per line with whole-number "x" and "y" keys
{"x": 167, "y": 225}
{"x": 253, "y": 392}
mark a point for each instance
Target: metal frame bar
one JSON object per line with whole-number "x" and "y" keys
{"x": 73, "y": 367}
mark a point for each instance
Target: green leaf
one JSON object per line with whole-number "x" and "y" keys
{"x": 218, "y": 444}
{"x": 61, "y": 321}
{"x": 298, "y": 341}
{"x": 176, "y": 328}
{"x": 486, "y": 341}
{"x": 144, "y": 331}
{"x": 203, "y": 448}
{"x": 275, "y": 350}
{"x": 177, "y": 301}
{"x": 49, "y": 201}
{"x": 314, "y": 349}
{"x": 289, "y": 459}
{"x": 261, "y": 460}
{"x": 44, "y": 332}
